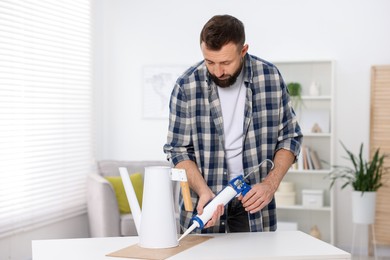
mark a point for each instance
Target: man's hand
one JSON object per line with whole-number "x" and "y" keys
{"x": 262, "y": 193}
{"x": 203, "y": 200}
{"x": 198, "y": 184}
{"x": 216, "y": 216}
{"x": 258, "y": 197}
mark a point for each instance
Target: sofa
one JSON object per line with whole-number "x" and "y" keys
{"x": 105, "y": 219}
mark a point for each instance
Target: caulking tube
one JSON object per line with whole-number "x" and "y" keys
{"x": 226, "y": 195}
{"x": 223, "y": 197}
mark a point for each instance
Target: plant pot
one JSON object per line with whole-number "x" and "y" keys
{"x": 363, "y": 207}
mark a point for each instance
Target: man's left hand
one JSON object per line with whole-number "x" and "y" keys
{"x": 258, "y": 197}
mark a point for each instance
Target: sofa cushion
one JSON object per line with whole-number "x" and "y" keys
{"x": 117, "y": 184}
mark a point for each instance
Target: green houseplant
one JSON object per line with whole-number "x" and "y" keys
{"x": 295, "y": 91}
{"x": 364, "y": 176}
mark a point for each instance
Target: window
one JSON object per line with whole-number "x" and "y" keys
{"x": 45, "y": 111}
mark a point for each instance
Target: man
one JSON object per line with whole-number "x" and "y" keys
{"x": 228, "y": 113}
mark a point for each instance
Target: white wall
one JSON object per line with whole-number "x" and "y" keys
{"x": 135, "y": 34}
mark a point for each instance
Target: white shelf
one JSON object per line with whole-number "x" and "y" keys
{"x": 325, "y": 98}
{"x": 311, "y": 172}
{"x": 313, "y": 110}
{"x": 300, "y": 207}
{"x": 317, "y": 134}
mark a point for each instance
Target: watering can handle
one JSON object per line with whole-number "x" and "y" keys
{"x": 185, "y": 192}
{"x": 181, "y": 176}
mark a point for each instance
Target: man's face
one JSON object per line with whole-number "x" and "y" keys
{"x": 225, "y": 64}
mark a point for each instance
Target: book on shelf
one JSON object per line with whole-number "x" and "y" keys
{"x": 304, "y": 154}
{"x": 308, "y": 159}
{"x": 300, "y": 162}
{"x": 316, "y": 160}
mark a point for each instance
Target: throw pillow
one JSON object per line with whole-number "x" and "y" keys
{"x": 117, "y": 184}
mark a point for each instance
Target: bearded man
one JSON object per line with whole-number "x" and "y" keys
{"x": 228, "y": 113}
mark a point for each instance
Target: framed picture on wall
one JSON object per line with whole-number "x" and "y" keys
{"x": 158, "y": 84}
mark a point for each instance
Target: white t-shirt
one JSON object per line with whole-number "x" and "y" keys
{"x": 233, "y": 106}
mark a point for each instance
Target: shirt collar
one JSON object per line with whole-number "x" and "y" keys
{"x": 248, "y": 75}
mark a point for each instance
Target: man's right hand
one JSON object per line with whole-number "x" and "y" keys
{"x": 199, "y": 185}
{"x": 203, "y": 200}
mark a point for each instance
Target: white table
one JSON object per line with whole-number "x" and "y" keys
{"x": 263, "y": 245}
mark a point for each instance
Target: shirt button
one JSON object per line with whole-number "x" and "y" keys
{"x": 224, "y": 173}
{"x": 223, "y": 223}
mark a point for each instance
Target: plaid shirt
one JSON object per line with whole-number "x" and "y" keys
{"x": 196, "y": 131}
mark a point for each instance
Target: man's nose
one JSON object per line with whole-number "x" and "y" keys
{"x": 218, "y": 71}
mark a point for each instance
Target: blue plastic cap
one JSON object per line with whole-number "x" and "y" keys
{"x": 200, "y": 222}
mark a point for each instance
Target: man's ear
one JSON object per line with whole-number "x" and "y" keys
{"x": 244, "y": 50}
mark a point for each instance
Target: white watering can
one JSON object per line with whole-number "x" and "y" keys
{"x": 156, "y": 227}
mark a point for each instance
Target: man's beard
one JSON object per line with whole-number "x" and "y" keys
{"x": 225, "y": 83}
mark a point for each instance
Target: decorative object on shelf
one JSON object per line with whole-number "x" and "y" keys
{"x": 316, "y": 128}
{"x": 315, "y": 89}
{"x": 285, "y": 195}
{"x": 315, "y": 115}
{"x": 315, "y": 232}
{"x": 295, "y": 91}
{"x": 365, "y": 178}
{"x": 313, "y": 198}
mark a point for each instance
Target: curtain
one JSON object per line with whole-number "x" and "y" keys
{"x": 46, "y": 138}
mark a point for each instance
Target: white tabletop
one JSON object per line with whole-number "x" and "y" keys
{"x": 262, "y": 245}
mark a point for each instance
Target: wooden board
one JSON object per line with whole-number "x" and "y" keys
{"x": 380, "y": 137}
{"x": 135, "y": 251}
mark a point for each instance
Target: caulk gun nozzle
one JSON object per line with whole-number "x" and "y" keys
{"x": 189, "y": 230}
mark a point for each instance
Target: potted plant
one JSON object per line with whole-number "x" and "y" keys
{"x": 365, "y": 178}
{"x": 295, "y": 91}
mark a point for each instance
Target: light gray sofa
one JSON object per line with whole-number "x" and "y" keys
{"x": 104, "y": 217}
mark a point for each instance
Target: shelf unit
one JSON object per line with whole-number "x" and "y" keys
{"x": 314, "y": 109}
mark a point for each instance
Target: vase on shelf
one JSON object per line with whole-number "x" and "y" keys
{"x": 314, "y": 89}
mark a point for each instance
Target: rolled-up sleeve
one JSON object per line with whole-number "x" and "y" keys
{"x": 290, "y": 135}
{"x": 179, "y": 145}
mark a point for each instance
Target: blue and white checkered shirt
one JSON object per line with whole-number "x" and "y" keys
{"x": 196, "y": 131}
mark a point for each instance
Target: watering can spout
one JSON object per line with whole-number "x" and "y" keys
{"x": 156, "y": 225}
{"x": 132, "y": 198}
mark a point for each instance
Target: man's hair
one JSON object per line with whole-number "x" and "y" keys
{"x": 222, "y": 29}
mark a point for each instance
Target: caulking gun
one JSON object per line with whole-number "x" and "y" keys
{"x": 236, "y": 187}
